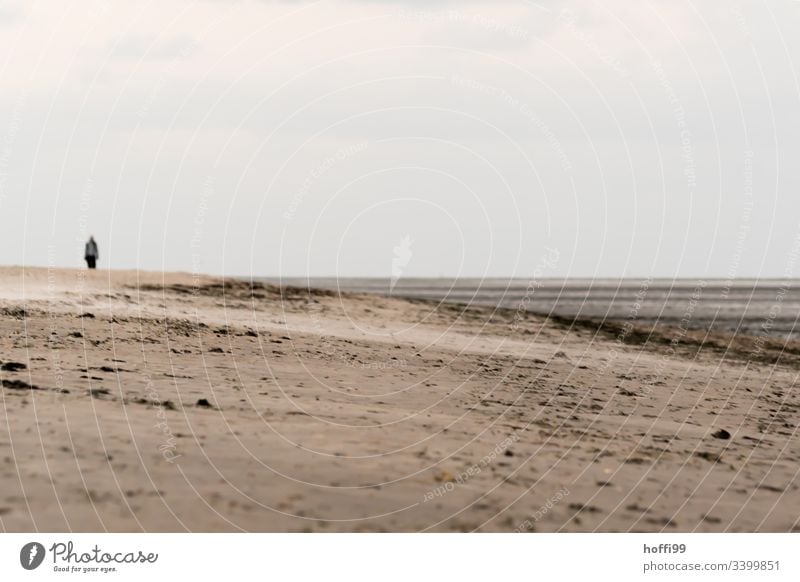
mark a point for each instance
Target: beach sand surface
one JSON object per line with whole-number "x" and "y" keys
{"x": 136, "y": 401}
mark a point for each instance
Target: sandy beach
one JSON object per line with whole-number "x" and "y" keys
{"x": 140, "y": 401}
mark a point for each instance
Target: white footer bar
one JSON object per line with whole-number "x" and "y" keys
{"x": 400, "y": 557}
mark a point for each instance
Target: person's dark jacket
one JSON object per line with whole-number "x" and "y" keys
{"x": 91, "y": 251}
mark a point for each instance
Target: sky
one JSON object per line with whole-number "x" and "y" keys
{"x": 403, "y": 138}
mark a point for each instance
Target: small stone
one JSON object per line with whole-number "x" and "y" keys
{"x": 721, "y": 434}
{"x": 204, "y": 403}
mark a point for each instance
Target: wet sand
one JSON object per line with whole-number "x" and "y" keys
{"x": 167, "y": 402}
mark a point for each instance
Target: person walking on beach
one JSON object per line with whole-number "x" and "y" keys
{"x": 91, "y": 254}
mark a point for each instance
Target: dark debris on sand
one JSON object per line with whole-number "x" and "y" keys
{"x": 12, "y": 366}
{"x": 17, "y": 385}
{"x": 236, "y": 289}
{"x": 14, "y": 312}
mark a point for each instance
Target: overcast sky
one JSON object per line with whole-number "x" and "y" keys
{"x": 351, "y": 137}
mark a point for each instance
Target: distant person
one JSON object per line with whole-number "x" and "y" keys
{"x": 91, "y": 254}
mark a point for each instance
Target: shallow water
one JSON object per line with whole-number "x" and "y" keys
{"x": 754, "y": 307}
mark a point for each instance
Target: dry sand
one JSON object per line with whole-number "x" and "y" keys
{"x": 163, "y": 402}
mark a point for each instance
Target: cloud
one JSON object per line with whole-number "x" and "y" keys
{"x": 11, "y": 12}
{"x": 139, "y": 47}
